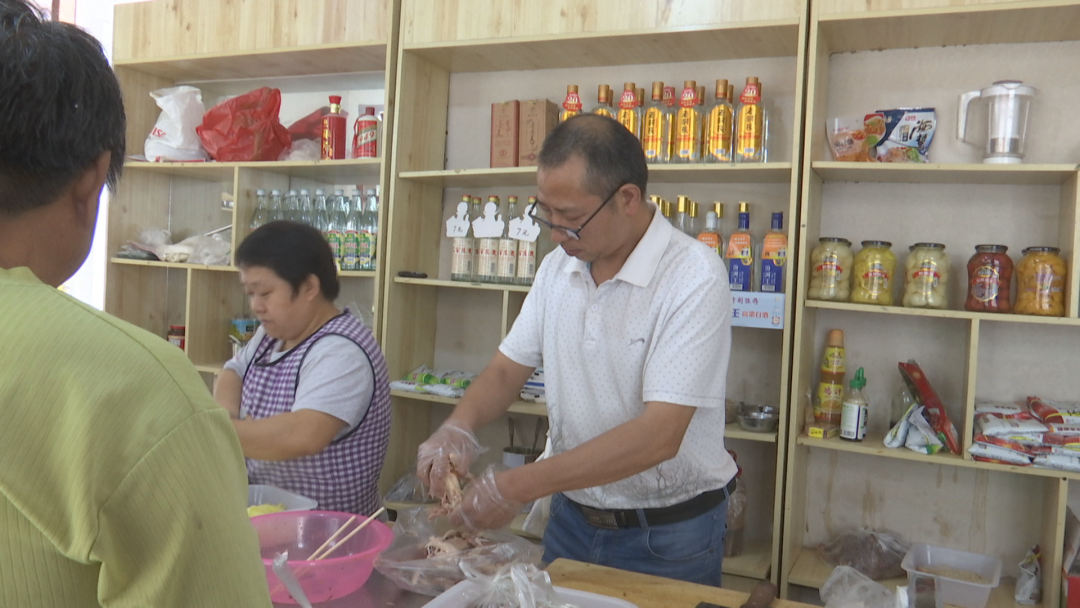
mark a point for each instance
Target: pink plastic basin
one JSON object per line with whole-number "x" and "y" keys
{"x": 301, "y": 533}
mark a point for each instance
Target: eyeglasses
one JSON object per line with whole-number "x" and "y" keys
{"x": 572, "y": 233}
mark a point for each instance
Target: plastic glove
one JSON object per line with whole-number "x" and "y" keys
{"x": 484, "y": 507}
{"x": 451, "y": 449}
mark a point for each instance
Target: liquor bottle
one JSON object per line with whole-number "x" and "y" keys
{"x": 365, "y": 143}
{"x": 333, "y": 131}
{"x": 673, "y": 109}
{"x": 475, "y": 212}
{"x": 774, "y": 256}
{"x": 665, "y": 208}
{"x": 461, "y": 260}
{"x": 507, "y": 268}
{"x": 603, "y": 101}
{"x": 320, "y": 218}
{"x": 368, "y": 232}
{"x": 351, "y": 241}
{"x": 277, "y": 206}
{"x": 629, "y": 114}
{"x": 305, "y": 207}
{"x": 740, "y": 253}
{"x": 488, "y": 258}
{"x": 656, "y": 127}
{"x": 526, "y": 256}
{"x": 572, "y": 104}
{"x": 337, "y": 214}
{"x": 718, "y": 121}
{"x": 718, "y": 209}
{"x": 688, "y": 126}
{"x": 692, "y": 226}
{"x": 711, "y": 234}
{"x": 292, "y": 211}
{"x": 751, "y": 124}
{"x": 681, "y": 221}
{"x": 261, "y": 215}
{"x": 641, "y": 99}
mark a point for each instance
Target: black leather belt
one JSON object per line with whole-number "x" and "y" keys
{"x": 613, "y": 519}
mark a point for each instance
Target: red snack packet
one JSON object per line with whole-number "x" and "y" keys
{"x": 935, "y": 411}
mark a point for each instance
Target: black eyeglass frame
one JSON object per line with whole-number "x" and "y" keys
{"x": 572, "y": 233}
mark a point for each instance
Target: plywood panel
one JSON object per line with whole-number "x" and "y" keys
{"x": 214, "y": 298}
{"x": 169, "y": 28}
{"x": 832, "y": 7}
{"x": 426, "y": 21}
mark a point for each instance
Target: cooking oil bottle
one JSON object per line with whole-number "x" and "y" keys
{"x": 603, "y": 101}
{"x": 629, "y": 114}
{"x": 572, "y": 104}
{"x": 688, "y": 126}
{"x": 656, "y": 127}
{"x": 718, "y": 122}
{"x": 751, "y": 124}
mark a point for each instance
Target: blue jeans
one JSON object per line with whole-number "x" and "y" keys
{"x": 691, "y": 550}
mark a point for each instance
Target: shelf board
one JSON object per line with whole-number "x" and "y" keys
{"x": 463, "y": 284}
{"x": 732, "y": 431}
{"x": 779, "y": 38}
{"x": 755, "y": 561}
{"x": 265, "y": 63}
{"x": 517, "y": 407}
{"x": 210, "y": 368}
{"x": 936, "y": 173}
{"x": 365, "y": 274}
{"x": 330, "y": 171}
{"x": 764, "y": 173}
{"x": 943, "y": 314}
{"x": 809, "y": 570}
{"x": 1014, "y": 22}
{"x": 179, "y": 265}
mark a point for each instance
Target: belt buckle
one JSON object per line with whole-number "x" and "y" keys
{"x": 600, "y": 519}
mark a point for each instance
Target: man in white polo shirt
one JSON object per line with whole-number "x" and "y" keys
{"x": 630, "y": 320}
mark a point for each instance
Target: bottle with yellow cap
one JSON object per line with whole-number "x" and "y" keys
{"x": 718, "y": 209}
{"x": 681, "y": 221}
{"x": 693, "y": 226}
{"x": 718, "y": 122}
{"x": 688, "y": 126}
{"x": 656, "y": 127}
{"x": 741, "y": 262}
{"x": 629, "y": 113}
{"x": 572, "y": 104}
{"x": 751, "y": 124}
{"x": 603, "y": 101}
{"x": 710, "y": 236}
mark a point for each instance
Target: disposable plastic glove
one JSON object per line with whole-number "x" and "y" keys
{"x": 483, "y": 506}
{"x": 451, "y": 449}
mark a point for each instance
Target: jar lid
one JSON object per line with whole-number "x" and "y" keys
{"x": 1041, "y": 250}
{"x": 834, "y": 239}
{"x": 885, "y": 244}
{"x": 926, "y": 246}
{"x": 992, "y": 248}
{"x": 177, "y": 328}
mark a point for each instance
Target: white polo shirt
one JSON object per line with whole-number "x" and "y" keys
{"x": 660, "y": 330}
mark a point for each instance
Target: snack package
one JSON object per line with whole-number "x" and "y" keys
{"x": 513, "y": 586}
{"x": 921, "y": 436}
{"x": 1060, "y": 462}
{"x": 1059, "y": 412}
{"x": 876, "y": 554}
{"x": 906, "y": 135}
{"x": 935, "y": 410}
{"x": 989, "y": 424}
{"x": 847, "y": 138}
{"x": 1018, "y": 409}
{"x": 1029, "y": 583}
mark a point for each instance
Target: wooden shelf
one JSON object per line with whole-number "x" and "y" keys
{"x": 936, "y": 173}
{"x": 738, "y": 41}
{"x": 764, "y": 173}
{"x": 363, "y": 274}
{"x": 943, "y": 314}
{"x": 732, "y": 431}
{"x": 518, "y": 407}
{"x": 754, "y": 562}
{"x": 210, "y": 368}
{"x": 179, "y": 265}
{"x": 809, "y": 570}
{"x": 463, "y": 284}
{"x": 331, "y": 171}
{"x": 266, "y": 63}
{"x": 1014, "y": 22}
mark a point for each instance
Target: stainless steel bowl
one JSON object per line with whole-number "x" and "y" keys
{"x": 758, "y": 418}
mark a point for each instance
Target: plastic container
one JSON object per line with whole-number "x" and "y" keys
{"x": 950, "y": 590}
{"x": 462, "y": 595}
{"x": 301, "y": 533}
{"x": 271, "y": 495}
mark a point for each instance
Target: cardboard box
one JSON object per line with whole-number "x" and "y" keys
{"x": 538, "y": 118}
{"x": 823, "y": 431}
{"x": 504, "y": 134}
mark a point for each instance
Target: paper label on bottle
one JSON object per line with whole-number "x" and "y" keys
{"x": 350, "y": 247}
{"x": 830, "y": 401}
{"x": 711, "y": 239}
{"x": 669, "y": 97}
{"x": 689, "y": 98}
{"x": 740, "y": 262}
{"x": 507, "y": 259}
{"x": 334, "y": 238}
{"x": 833, "y": 361}
{"x": 718, "y": 134}
{"x": 853, "y": 420}
{"x": 875, "y": 280}
{"x": 526, "y": 262}
{"x": 984, "y": 283}
{"x": 488, "y": 257}
{"x": 365, "y": 250}
{"x": 365, "y": 144}
{"x": 652, "y": 134}
{"x": 628, "y": 101}
{"x": 572, "y": 102}
{"x": 925, "y": 277}
{"x": 751, "y": 131}
{"x": 688, "y": 139}
{"x": 461, "y": 259}
{"x": 773, "y": 259}
{"x": 751, "y": 93}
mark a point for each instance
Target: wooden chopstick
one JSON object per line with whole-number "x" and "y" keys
{"x": 332, "y": 537}
{"x": 351, "y": 534}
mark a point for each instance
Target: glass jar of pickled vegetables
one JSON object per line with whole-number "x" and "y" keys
{"x": 990, "y": 273}
{"x": 830, "y": 270}
{"x": 926, "y": 276}
{"x": 1040, "y": 283}
{"x": 875, "y": 267}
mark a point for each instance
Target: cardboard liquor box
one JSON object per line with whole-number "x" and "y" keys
{"x": 504, "y": 134}
{"x": 538, "y": 118}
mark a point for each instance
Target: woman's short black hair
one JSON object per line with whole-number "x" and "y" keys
{"x": 60, "y": 108}
{"x": 293, "y": 251}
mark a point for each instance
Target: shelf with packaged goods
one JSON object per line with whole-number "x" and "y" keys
{"x": 943, "y": 314}
{"x": 333, "y": 171}
{"x": 941, "y": 173}
{"x": 1011, "y": 22}
{"x": 810, "y": 570}
{"x": 779, "y": 38}
{"x": 179, "y": 265}
{"x": 517, "y": 407}
{"x": 761, "y": 173}
{"x": 266, "y": 63}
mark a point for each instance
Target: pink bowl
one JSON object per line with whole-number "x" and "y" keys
{"x": 301, "y": 533}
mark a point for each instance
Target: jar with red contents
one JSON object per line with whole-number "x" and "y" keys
{"x": 990, "y": 273}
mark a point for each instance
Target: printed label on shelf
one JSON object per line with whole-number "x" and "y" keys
{"x": 763, "y": 310}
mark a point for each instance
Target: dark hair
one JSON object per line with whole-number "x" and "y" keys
{"x": 612, "y": 154}
{"x": 60, "y": 108}
{"x": 293, "y": 251}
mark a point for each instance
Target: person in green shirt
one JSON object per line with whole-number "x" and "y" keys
{"x": 122, "y": 482}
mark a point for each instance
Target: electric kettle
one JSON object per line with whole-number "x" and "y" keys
{"x": 1008, "y": 103}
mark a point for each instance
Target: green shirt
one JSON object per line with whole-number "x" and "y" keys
{"x": 122, "y": 482}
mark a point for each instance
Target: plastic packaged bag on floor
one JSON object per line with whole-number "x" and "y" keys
{"x": 849, "y": 588}
{"x": 875, "y": 554}
{"x": 513, "y": 586}
{"x": 173, "y": 137}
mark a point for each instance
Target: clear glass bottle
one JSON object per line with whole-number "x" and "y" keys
{"x": 831, "y": 263}
{"x": 603, "y": 102}
{"x": 718, "y": 127}
{"x": 507, "y": 270}
{"x": 572, "y": 104}
{"x": 874, "y": 274}
{"x": 475, "y": 211}
{"x": 351, "y": 242}
{"x": 751, "y": 124}
{"x": 629, "y": 112}
{"x": 688, "y": 126}
{"x": 1040, "y": 283}
{"x": 461, "y": 260}
{"x": 320, "y": 218}
{"x": 656, "y": 127}
{"x": 718, "y": 209}
{"x": 306, "y": 207}
{"x": 261, "y": 214}
{"x": 368, "y": 245}
{"x": 337, "y": 215}
{"x": 527, "y": 258}
{"x": 926, "y": 276}
{"x": 682, "y": 220}
{"x": 277, "y": 206}
{"x": 741, "y": 262}
{"x": 292, "y": 207}
{"x": 774, "y": 256}
{"x": 711, "y": 234}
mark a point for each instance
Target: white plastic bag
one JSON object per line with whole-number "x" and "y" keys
{"x": 173, "y": 137}
{"x": 849, "y": 588}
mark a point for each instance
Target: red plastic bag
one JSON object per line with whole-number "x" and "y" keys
{"x": 245, "y": 128}
{"x": 310, "y": 126}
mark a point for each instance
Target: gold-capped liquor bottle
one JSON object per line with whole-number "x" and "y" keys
{"x": 572, "y": 104}
{"x": 629, "y": 113}
{"x": 718, "y": 126}
{"x": 688, "y": 126}
{"x": 656, "y": 127}
{"x": 603, "y": 101}
{"x": 751, "y": 124}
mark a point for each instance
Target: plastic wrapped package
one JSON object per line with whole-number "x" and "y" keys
{"x": 873, "y": 553}
{"x": 514, "y": 586}
{"x": 849, "y": 588}
{"x": 736, "y": 521}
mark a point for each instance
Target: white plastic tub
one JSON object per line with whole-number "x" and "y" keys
{"x": 271, "y": 495}
{"x": 951, "y": 590}
{"x": 462, "y": 594}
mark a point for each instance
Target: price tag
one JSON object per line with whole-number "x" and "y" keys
{"x": 524, "y": 229}
{"x": 457, "y": 226}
